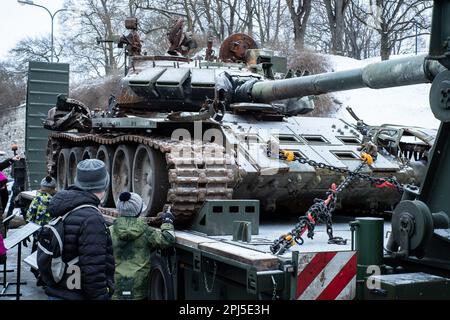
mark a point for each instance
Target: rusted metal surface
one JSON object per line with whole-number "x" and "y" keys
{"x": 133, "y": 41}
{"x": 128, "y": 97}
{"x": 197, "y": 171}
{"x": 209, "y": 56}
{"x": 161, "y": 58}
{"x": 235, "y": 47}
{"x": 180, "y": 42}
{"x": 175, "y": 36}
{"x": 131, "y": 23}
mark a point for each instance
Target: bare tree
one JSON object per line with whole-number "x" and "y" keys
{"x": 318, "y": 35}
{"x": 299, "y": 13}
{"x": 360, "y": 39}
{"x": 91, "y": 33}
{"x": 35, "y": 49}
{"x": 394, "y": 21}
{"x": 336, "y": 19}
{"x": 12, "y": 85}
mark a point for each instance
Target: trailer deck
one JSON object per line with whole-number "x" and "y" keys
{"x": 209, "y": 266}
{"x": 257, "y": 251}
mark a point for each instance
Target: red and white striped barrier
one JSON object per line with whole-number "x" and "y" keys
{"x": 326, "y": 276}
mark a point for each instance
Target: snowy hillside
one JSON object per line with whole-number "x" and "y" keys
{"x": 402, "y": 105}
{"x": 12, "y": 129}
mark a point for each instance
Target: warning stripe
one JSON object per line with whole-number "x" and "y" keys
{"x": 340, "y": 281}
{"x": 326, "y": 275}
{"x": 349, "y": 291}
{"x": 310, "y": 272}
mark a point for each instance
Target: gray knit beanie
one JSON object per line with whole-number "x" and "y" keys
{"x": 92, "y": 175}
{"x": 130, "y": 204}
{"x": 48, "y": 183}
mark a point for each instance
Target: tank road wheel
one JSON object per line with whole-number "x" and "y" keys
{"x": 161, "y": 282}
{"x": 105, "y": 154}
{"x": 61, "y": 169}
{"x": 121, "y": 170}
{"x": 74, "y": 158}
{"x": 89, "y": 153}
{"x": 150, "y": 178}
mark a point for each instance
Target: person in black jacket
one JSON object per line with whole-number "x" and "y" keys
{"x": 86, "y": 235}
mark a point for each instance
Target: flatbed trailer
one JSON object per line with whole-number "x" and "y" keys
{"x": 202, "y": 266}
{"x": 216, "y": 267}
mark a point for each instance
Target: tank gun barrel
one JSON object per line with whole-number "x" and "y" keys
{"x": 385, "y": 74}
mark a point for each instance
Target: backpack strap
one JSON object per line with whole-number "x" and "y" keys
{"x": 80, "y": 207}
{"x": 76, "y": 259}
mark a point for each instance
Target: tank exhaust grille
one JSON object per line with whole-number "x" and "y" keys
{"x": 345, "y": 155}
{"x": 288, "y": 139}
{"x": 350, "y": 140}
{"x": 315, "y": 139}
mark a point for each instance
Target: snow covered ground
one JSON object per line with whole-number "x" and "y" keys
{"x": 402, "y": 105}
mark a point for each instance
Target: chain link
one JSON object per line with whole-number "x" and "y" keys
{"x": 363, "y": 176}
{"x": 321, "y": 211}
{"x": 274, "y": 292}
{"x": 210, "y": 289}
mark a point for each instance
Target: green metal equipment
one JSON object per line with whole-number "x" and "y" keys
{"x": 45, "y": 82}
{"x": 368, "y": 242}
{"x": 409, "y": 286}
{"x": 418, "y": 250}
{"x": 420, "y": 224}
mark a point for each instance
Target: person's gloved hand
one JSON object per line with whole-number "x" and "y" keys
{"x": 26, "y": 241}
{"x": 167, "y": 216}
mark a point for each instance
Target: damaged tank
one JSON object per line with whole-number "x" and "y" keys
{"x": 185, "y": 130}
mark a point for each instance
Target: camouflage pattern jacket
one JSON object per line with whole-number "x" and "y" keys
{"x": 133, "y": 240}
{"x": 38, "y": 210}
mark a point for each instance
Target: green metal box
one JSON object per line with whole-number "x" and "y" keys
{"x": 409, "y": 286}
{"x": 216, "y": 217}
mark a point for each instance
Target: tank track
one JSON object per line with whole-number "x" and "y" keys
{"x": 197, "y": 171}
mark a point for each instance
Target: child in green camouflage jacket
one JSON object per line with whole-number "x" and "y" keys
{"x": 133, "y": 240}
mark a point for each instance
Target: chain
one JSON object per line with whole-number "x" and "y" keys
{"x": 321, "y": 211}
{"x": 383, "y": 182}
{"x": 274, "y": 292}
{"x": 208, "y": 289}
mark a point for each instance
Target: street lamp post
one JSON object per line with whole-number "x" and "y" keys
{"x": 52, "y": 16}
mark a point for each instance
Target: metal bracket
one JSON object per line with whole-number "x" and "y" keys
{"x": 252, "y": 281}
{"x": 197, "y": 261}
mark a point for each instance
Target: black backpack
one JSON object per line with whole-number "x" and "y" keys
{"x": 50, "y": 249}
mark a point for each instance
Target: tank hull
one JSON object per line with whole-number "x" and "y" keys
{"x": 205, "y": 160}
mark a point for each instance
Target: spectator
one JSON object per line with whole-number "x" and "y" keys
{"x": 39, "y": 214}
{"x": 86, "y": 235}
{"x": 3, "y": 189}
{"x": 38, "y": 210}
{"x": 133, "y": 241}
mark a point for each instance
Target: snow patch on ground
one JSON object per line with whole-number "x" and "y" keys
{"x": 402, "y": 105}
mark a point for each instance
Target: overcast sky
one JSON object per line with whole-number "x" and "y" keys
{"x": 19, "y": 21}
